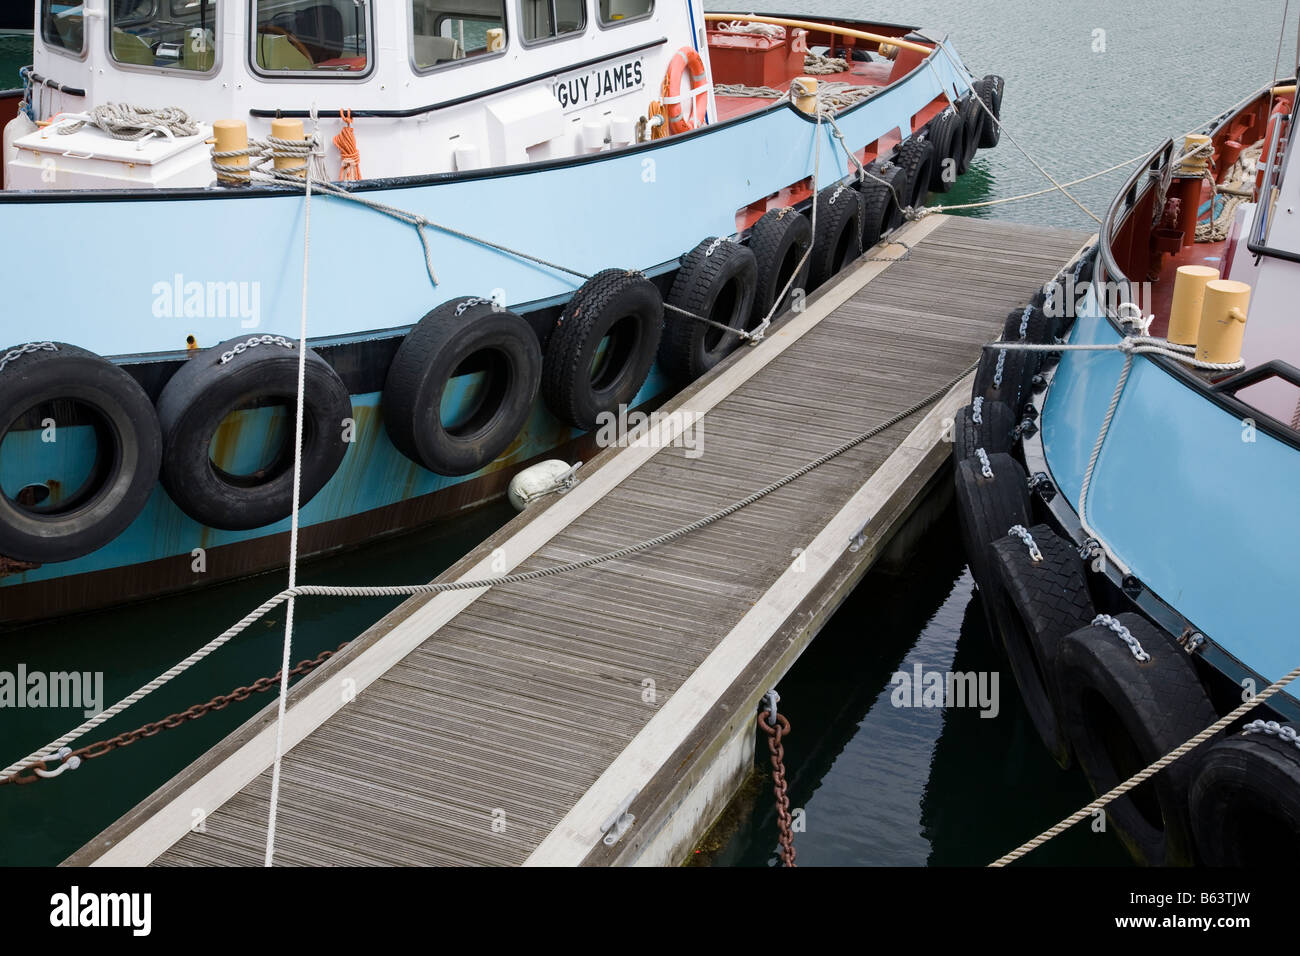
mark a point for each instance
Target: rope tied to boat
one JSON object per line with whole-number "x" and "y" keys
{"x": 1142, "y": 776}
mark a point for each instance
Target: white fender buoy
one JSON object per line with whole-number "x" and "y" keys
{"x": 540, "y": 480}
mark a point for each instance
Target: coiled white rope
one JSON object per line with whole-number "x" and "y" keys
{"x": 131, "y": 123}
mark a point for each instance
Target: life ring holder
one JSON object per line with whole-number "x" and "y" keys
{"x": 683, "y": 61}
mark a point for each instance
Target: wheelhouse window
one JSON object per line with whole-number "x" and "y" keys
{"x": 307, "y": 36}
{"x": 63, "y": 26}
{"x": 445, "y": 31}
{"x": 168, "y": 34}
{"x": 614, "y": 12}
{"x": 549, "y": 19}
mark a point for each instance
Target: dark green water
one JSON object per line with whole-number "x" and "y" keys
{"x": 15, "y": 53}
{"x": 878, "y": 784}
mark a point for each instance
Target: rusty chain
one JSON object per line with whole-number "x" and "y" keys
{"x": 775, "y": 732}
{"x": 221, "y": 702}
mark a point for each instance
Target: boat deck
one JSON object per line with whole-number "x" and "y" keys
{"x": 507, "y": 725}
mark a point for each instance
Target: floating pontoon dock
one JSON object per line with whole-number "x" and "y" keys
{"x": 507, "y": 725}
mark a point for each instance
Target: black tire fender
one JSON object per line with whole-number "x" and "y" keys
{"x": 1245, "y": 800}
{"x": 1004, "y": 375}
{"x": 467, "y": 335}
{"x": 987, "y": 507}
{"x": 974, "y": 119}
{"x": 838, "y": 239}
{"x": 947, "y": 133}
{"x": 990, "y": 90}
{"x": 880, "y": 209}
{"x": 982, "y": 424}
{"x": 916, "y": 158}
{"x": 1123, "y": 714}
{"x": 717, "y": 280}
{"x": 128, "y": 451}
{"x": 241, "y": 373}
{"x": 1043, "y": 599}
{"x": 779, "y": 240}
{"x": 619, "y": 303}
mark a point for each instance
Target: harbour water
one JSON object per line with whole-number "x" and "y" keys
{"x": 878, "y": 784}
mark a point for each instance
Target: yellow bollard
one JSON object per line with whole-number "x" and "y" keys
{"x": 1198, "y": 164}
{"x": 230, "y": 136}
{"x": 292, "y": 130}
{"x": 1223, "y": 321}
{"x": 1189, "y": 298}
{"x": 805, "y": 95}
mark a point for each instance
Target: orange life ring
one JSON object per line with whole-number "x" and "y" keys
{"x": 684, "y": 60}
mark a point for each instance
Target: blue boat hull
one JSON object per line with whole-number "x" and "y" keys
{"x": 217, "y": 264}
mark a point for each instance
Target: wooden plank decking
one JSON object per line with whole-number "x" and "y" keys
{"x": 501, "y": 726}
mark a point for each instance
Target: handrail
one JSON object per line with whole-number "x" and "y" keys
{"x": 1127, "y": 197}
{"x": 822, "y": 27}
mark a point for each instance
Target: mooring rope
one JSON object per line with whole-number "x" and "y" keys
{"x": 294, "y": 524}
{"x": 314, "y": 590}
{"x": 1143, "y": 775}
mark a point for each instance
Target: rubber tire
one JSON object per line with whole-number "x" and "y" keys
{"x": 93, "y": 515}
{"x": 1244, "y": 781}
{"x": 947, "y": 133}
{"x": 1017, "y": 372}
{"x": 1038, "y": 330}
{"x": 1156, "y": 705}
{"x": 986, "y": 508}
{"x": 990, "y": 90}
{"x": 993, "y": 433}
{"x": 718, "y": 284}
{"x": 838, "y": 242}
{"x": 778, "y": 241}
{"x": 203, "y": 392}
{"x": 425, "y": 363}
{"x": 603, "y": 301}
{"x": 880, "y": 210}
{"x": 1042, "y": 602}
{"x": 975, "y": 119}
{"x": 916, "y": 158}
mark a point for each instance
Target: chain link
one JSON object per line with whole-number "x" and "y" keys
{"x": 253, "y": 342}
{"x": 997, "y": 372}
{"x": 985, "y": 468}
{"x": 15, "y": 354}
{"x": 221, "y": 702}
{"x": 775, "y": 731}
{"x": 1273, "y": 728}
{"x": 977, "y": 410}
{"x": 1105, "y": 620}
{"x": 1021, "y": 532}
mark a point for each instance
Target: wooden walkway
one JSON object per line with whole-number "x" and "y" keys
{"x": 504, "y": 726}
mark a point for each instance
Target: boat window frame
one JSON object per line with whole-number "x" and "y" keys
{"x": 559, "y": 37}
{"x": 615, "y": 24}
{"x": 299, "y": 76}
{"x": 464, "y": 61}
{"x": 60, "y": 49}
{"x": 217, "y": 61}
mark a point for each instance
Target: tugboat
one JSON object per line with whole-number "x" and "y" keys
{"x": 532, "y": 209}
{"x": 1128, "y": 494}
